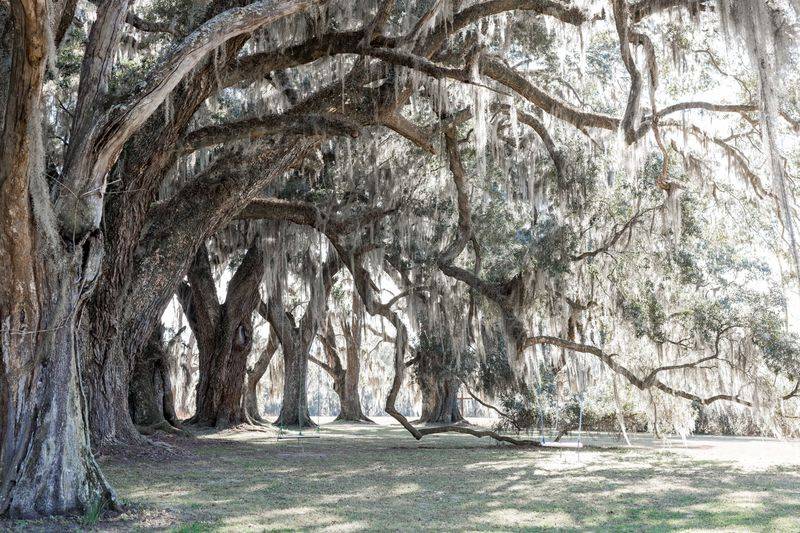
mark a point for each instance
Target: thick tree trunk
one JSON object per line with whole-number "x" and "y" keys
{"x": 348, "y": 383}
{"x": 46, "y": 462}
{"x": 296, "y": 342}
{"x": 437, "y": 365}
{"x": 220, "y": 392}
{"x": 106, "y": 378}
{"x": 440, "y": 401}
{"x": 294, "y": 406}
{"x": 224, "y": 337}
{"x": 151, "y": 399}
{"x": 349, "y": 397}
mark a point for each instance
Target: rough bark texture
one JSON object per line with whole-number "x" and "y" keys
{"x": 294, "y": 406}
{"x": 254, "y": 375}
{"x": 108, "y": 372}
{"x": 224, "y": 336}
{"x": 45, "y": 459}
{"x": 151, "y": 398}
{"x": 350, "y": 397}
{"x": 166, "y": 250}
{"x": 47, "y": 463}
{"x": 440, "y": 401}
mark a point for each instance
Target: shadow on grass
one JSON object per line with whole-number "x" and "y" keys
{"x": 379, "y": 478}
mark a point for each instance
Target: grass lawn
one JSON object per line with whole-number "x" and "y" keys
{"x": 379, "y": 478}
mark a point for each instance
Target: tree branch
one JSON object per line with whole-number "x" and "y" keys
{"x": 632, "y": 378}
{"x": 91, "y": 157}
{"x": 251, "y": 128}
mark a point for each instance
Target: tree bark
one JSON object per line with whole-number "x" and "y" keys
{"x": 294, "y": 406}
{"x": 437, "y": 365}
{"x": 440, "y": 400}
{"x": 346, "y": 379}
{"x": 224, "y": 336}
{"x": 151, "y": 398}
{"x": 43, "y": 406}
{"x": 350, "y": 398}
{"x": 106, "y": 379}
{"x": 46, "y": 462}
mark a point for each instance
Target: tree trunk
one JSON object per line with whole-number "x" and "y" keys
{"x": 107, "y": 376}
{"x": 224, "y": 337}
{"x": 349, "y": 396}
{"x": 296, "y": 342}
{"x": 46, "y": 462}
{"x": 187, "y": 376}
{"x": 220, "y": 391}
{"x": 151, "y": 399}
{"x": 254, "y": 376}
{"x": 437, "y": 364}
{"x": 294, "y": 406}
{"x": 440, "y": 401}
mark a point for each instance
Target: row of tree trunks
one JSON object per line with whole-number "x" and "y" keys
{"x": 224, "y": 333}
{"x": 111, "y": 346}
{"x": 53, "y": 239}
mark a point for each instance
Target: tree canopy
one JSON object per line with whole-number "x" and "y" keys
{"x": 511, "y": 194}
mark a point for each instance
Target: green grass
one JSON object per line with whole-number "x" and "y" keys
{"x": 379, "y": 478}
{"x": 93, "y": 513}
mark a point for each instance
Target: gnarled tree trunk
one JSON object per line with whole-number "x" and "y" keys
{"x": 121, "y": 314}
{"x": 46, "y": 462}
{"x": 224, "y": 335}
{"x": 440, "y": 400}
{"x": 296, "y": 342}
{"x": 345, "y": 379}
{"x": 151, "y": 398}
{"x": 350, "y": 398}
{"x": 106, "y": 379}
{"x": 294, "y": 406}
{"x": 437, "y": 365}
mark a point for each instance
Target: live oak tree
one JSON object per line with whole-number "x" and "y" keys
{"x": 151, "y": 396}
{"x": 52, "y": 240}
{"x": 346, "y": 378}
{"x": 296, "y": 337}
{"x": 254, "y": 375}
{"x": 131, "y": 138}
{"x": 224, "y": 333}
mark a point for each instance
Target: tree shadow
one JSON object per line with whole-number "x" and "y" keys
{"x": 380, "y": 478}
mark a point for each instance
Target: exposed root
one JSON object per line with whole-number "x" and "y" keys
{"x": 165, "y": 427}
